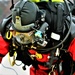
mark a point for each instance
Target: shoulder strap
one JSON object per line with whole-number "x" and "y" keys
{"x": 60, "y": 11}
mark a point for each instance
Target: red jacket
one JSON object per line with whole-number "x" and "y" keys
{"x": 71, "y": 49}
{"x": 3, "y": 48}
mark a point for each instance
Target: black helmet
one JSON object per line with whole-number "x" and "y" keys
{"x": 24, "y": 15}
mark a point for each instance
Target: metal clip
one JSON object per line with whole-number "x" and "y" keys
{"x": 12, "y": 59}
{"x": 57, "y": 52}
{"x": 52, "y": 72}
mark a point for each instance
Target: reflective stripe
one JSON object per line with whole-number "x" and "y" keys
{"x": 39, "y": 0}
{"x": 57, "y": 0}
{"x": 47, "y": 0}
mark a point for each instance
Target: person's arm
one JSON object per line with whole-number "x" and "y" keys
{"x": 4, "y": 45}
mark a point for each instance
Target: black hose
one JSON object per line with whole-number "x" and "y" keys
{"x": 10, "y": 69}
{"x": 12, "y": 4}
